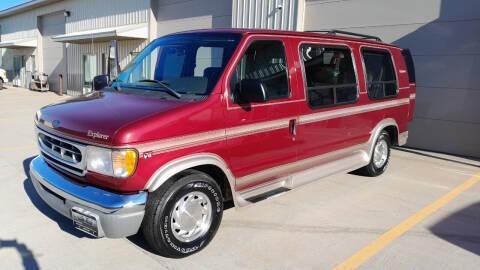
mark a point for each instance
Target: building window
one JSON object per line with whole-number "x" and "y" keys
{"x": 89, "y": 69}
{"x": 264, "y": 60}
{"x": 380, "y": 74}
{"x": 329, "y": 75}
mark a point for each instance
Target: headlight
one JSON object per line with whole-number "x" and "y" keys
{"x": 117, "y": 163}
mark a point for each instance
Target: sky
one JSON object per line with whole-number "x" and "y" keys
{"x": 4, "y": 4}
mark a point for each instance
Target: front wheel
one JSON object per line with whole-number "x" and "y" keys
{"x": 183, "y": 215}
{"x": 380, "y": 156}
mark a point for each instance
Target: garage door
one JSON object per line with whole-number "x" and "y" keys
{"x": 54, "y": 62}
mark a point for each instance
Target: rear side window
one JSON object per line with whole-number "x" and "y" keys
{"x": 329, "y": 75}
{"x": 264, "y": 60}
{"x": 407, "y": 56}
{"x": 380, "y": 74}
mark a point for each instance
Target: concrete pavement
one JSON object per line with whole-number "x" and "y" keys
{"x": 315, "y": 227}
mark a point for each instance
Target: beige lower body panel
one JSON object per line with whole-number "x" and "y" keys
{"x": 311, "y": 169}
{"x": 402, "y": 138}
{"x": 340, "y": 161}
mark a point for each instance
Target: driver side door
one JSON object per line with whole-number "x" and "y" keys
{"x": 261, "y": 136}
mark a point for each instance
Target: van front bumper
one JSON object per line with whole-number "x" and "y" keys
{"x": 118, "y": 215}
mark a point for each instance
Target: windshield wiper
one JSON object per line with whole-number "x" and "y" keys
{"x": 170, "y": 90}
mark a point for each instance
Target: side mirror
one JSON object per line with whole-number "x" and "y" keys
{"x": 249, "y": 90}
{"x": 100, "y": 82}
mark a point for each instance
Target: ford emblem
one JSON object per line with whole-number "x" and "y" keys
{"x": 55, "y": 123}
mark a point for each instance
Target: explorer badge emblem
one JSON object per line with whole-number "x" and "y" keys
{"x": 97, "y": 135}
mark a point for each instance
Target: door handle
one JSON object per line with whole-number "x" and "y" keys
{"x": 293, "y": 127}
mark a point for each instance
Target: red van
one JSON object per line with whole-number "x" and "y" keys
{"x": 204, "y": 117}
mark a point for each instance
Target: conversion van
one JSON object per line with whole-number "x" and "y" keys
{"x": 205, "y": 117}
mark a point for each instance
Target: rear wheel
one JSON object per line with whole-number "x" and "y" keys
{"x": 183, "y": 215}
{"x": 1, "y": 83}
{"x": 380, "y": 156}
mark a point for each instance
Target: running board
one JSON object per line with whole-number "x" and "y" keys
{"x": 342, "y": 163}
{"x": 268, "y": 194}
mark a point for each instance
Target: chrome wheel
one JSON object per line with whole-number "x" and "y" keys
{"x": 380, "y": 153}
{"x": 191, "y": 216}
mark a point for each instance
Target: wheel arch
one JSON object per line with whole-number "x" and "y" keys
{"x": 208, "y": 163}
{"x": 389, "y": 125}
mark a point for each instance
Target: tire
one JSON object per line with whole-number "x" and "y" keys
{"x": 1, "y": 83}
{"x": 164, "y": 217}
{"x": 378, "y": 161}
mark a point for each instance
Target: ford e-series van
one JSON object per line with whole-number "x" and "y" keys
{"x": 204, "y": 117}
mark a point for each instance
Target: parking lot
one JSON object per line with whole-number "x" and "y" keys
{"x": 423, "y": 213}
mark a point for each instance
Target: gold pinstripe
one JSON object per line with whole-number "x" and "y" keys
{"x": 182, "y": 142}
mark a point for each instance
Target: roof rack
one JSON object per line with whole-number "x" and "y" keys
{"x": 335, "y": 32}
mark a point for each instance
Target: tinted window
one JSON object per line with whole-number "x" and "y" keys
{"x": 329, "y": 74}
{"x": 264, "y": 60}
{"x": 173, "y": 62}
{"x": 380, "y": 74}
{"x": 407, "y": 56}
{"x": 190, "y": 63}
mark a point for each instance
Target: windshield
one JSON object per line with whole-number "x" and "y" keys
{"x": 189, "y": 63}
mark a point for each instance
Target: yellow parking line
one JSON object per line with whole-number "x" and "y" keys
{"x": 370, "y": 250}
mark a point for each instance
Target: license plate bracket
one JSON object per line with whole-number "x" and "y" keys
{"x": 85, "y": 221}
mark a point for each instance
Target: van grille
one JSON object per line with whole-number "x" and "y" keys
{"x": 62, "y": 153}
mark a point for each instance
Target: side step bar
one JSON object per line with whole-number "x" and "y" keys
{"x": 268, "y": 194}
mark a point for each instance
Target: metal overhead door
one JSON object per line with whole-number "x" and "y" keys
{"x": 54, "y": 62}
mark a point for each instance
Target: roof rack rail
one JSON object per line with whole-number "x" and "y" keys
{"x": 335, "y": 32}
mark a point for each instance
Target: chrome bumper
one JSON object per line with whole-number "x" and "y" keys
{"x": 120, "y": 215}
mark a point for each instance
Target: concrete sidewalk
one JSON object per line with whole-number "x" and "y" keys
{"x": 316, "y": 227}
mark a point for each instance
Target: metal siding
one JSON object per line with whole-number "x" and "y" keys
{"x": 179, "y": 15}
{"x": 105, "y": 14}
{"x": 85, "y": 15}
{"x": 265, "y": 14}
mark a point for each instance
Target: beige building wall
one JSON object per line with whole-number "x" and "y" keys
{"x": 84, "y": 15}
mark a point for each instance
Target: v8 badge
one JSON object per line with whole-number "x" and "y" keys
{"x": 147, "y": 155}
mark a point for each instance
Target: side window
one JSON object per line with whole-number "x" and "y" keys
{"x": 380, "y": 74}
{"x": 407, "y": 56}
{"x": 264, "y": 60}
{"x": 329, "y": 75}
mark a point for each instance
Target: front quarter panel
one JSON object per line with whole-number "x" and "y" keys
{"x": 190, "y": 130}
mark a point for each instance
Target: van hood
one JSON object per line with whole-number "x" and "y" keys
{"x": 98, "y": 116}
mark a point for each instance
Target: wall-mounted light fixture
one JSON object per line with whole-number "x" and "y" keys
{"x": 279, "y": 5}
{"x": 66, "y": 13}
